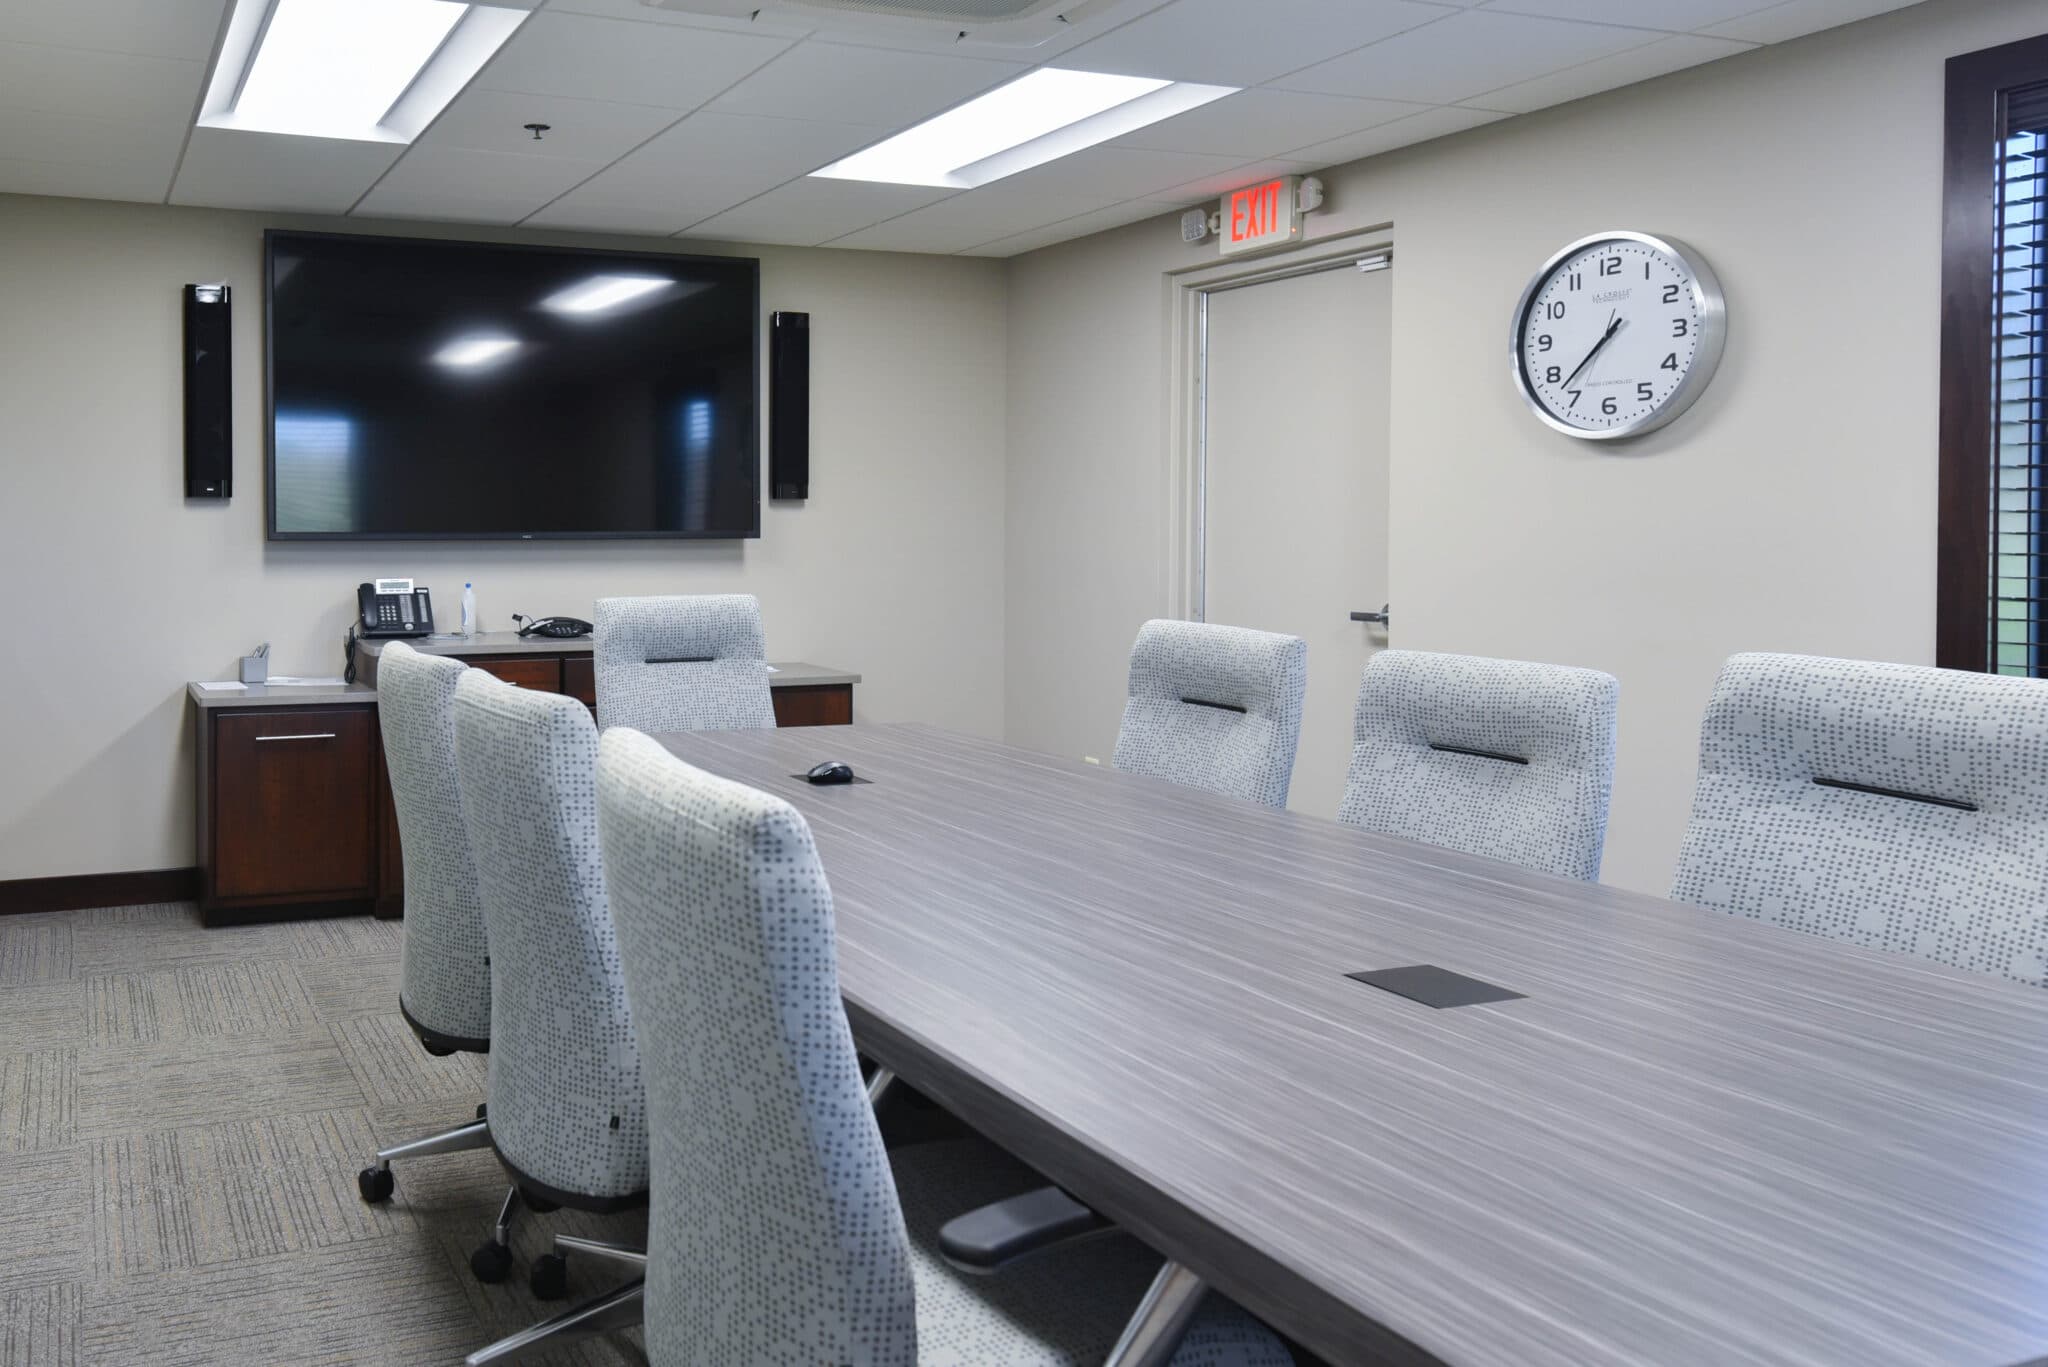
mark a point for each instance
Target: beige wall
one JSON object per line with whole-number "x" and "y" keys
{"x": 894, "y": 568}
{"x": 1791, "y": 509}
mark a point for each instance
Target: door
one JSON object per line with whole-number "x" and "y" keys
{"x": 293, "y": 816}
{"x": 1295, "y": 406}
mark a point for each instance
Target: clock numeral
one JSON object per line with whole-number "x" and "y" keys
{"x": 1644, "y": 392}
{"x": 1554, "y": 309}
{"x": 1607, "y": 405}
{"x": 1680, "y": 326}
{"x": 1646, "y": 270}
{"x": 1671, "y": 293}
{"x": 1575, "y": 398}
{"x": 1669, "y": 362}
{"x": 1543, "y": 342}
{"x": 1553, "y": 375}
{"x": 1577, "y": 282}
{"x": 1610, "y": 265}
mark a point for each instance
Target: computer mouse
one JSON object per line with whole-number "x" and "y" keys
{"x": 831, "y": 771}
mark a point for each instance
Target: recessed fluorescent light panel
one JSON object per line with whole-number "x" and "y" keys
{"x": 356, "y": 70}
{"x": 602, "y": 293}
{"x": 473, "y": 353}
{"x": 1038, "y": 118}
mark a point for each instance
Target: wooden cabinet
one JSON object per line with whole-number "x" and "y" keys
{"x": 293, "y": 813}
{"x": 294, "y": 806}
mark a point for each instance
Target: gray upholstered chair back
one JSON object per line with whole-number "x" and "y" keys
{"x": 566, "y": 1106}
{"x": 1496, "y": 757}
{"x": 1214, "y": 707}
{"x": 775, "y": 1233}
{"x": 445, "y": 978}
{"x": 685, "y": 663}
{"x": 1895, "y": 806}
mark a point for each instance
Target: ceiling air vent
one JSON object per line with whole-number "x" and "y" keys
{"x": 1003, "y": 23}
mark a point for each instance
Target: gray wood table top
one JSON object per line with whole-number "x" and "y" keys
{"x": 1696, "y": 1139}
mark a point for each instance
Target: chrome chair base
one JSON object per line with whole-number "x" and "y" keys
{"x": 1156, "y": 1327}
{"x": 618, "y": 1309}
{"x": 376, "y": 1182}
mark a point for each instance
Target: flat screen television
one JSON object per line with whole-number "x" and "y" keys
{"x": 427, "y": 389}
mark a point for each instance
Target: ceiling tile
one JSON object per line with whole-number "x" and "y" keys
{"x": 100, "y": 85}
{"x": 1672, "y": 16}
{"x": 1796, "y": 18}
{"x": 144, "y": 28}
{"x": 810, "y": 211}
{"x": 471, "y": 185}
{"x": 33, "y": 135}
{"x": 1258, "y": 123}
{"x": 1221, "y": 183}
{"x": 773, "y": 25}
{"x": 867, "y": 85}
{"x": 1434, "y": 123}
{"x": 973, "y": 217}
{"x": 587, "y": 213}
{"x": 1230, "y": 42}
{"x": 1609, "y": 73}
{"x": 707, "y": 164}
{"x": 79, "y": 180}
{"x": 1458, "y": 57}
{"x": 1082, "y": 225}
{"x": 626, "y": 63}
{"x": 231, "y": 168}
{"x": 581, "y": 130}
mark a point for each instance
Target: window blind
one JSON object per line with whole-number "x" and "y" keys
{"x": 2018, "y": 632}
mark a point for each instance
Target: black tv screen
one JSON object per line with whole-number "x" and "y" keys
{"x": 431, "y": 389}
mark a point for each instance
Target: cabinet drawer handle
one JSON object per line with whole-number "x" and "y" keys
{"x": 313, "y": 735}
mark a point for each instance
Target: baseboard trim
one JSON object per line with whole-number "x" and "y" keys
{"x": 20, "y": 895}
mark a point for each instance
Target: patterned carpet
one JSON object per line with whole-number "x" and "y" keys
{"x": 182, "y": 1114}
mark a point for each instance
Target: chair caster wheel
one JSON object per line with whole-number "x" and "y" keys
{"x": 491, "y": 1264}
{"x": 482, "y": 1109}
{"x": 549, "y": 1278}
{"x": 375, "y": 1184}
{"x": 437, "y": 1050}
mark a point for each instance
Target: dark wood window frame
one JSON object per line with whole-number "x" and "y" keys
{"x": 1977, "y": 83}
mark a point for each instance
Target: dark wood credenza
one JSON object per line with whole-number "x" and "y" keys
{"x": 294, "y": 813}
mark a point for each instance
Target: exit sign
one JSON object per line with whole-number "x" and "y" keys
{"x": 1261, "y": 216}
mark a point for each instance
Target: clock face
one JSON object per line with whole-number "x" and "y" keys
{"x": 1617, "y": 335}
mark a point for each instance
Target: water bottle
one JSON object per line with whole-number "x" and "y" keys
{"x": 468, "y": 610}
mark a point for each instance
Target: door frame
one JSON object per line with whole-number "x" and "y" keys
{"x": 1187, "y": 461}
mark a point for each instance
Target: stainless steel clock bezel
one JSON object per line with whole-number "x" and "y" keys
{"x": 1707, "y": 298}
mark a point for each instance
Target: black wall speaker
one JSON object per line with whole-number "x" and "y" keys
{"x": 789, "y": 405}
{"x": 209, "y": 445}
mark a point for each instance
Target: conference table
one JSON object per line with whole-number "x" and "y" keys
{"x": 1694, "y": 1138}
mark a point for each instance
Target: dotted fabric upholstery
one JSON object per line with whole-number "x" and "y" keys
{"x": 1168, "y": 733}
{"x": 716, "y": 678}
{"x": 564, "y": 1085}
{"x": 776, "y": 1235}
{"x": 1968, "y": 889}
{"x": 1549, "y": 814}
{"x": 445, "y": 976}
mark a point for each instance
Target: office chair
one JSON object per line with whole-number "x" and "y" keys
{"x": 781, "y": 1231}
{"x": 445, "y": 975}
{"x": 567, "y": 1117}
{"x": 1214, "y": 707}
{"x": 1893, "y": 806}
{"x": 1495, "y": 757}
{"x": 687, "y": 663}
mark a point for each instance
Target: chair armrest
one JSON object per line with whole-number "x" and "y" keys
{"x": 989, "y": 1239}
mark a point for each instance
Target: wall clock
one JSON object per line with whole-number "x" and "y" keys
{"x": 1617, "y": 335}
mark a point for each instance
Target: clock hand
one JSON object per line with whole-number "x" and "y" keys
{"x": 1614, "y": 323}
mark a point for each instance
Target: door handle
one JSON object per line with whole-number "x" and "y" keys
{"x": 1383, "y": 617}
